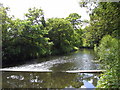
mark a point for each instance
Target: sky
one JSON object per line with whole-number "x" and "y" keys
{"x": 51, "y": 8}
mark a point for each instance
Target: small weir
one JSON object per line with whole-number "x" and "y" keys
{"x": 76, "y": 70}
{"x": 72, "y": 71}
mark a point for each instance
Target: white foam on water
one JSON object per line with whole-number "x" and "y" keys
{"x": 44, "y": 66}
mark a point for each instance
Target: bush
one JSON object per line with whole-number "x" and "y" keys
{"x": 108, "y": 52}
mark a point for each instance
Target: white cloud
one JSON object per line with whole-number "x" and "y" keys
{"x": 51, "y": 8}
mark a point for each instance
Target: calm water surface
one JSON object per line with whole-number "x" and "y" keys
{"x": 81, "y": 60}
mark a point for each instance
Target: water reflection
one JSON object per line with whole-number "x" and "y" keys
{"x": 49, "y": 80}
{"x": 80, "y": 60}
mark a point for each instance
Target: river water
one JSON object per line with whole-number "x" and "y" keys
{"x": 58, "y": 77}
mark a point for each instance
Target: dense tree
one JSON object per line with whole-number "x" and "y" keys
{"x": 104, "y": 20}
{"x": 24, "y": 39}
{"x": 36, "y": 16}
{"x": 61, "y": 33}
{"x": 88, "y": 37}
{"x": 108, "y": 51}
{"x": 34, "y": 37}
{"x": 74, "y": 18}
{"x": 6, "y": 32}
{"x": 103, "y": 32}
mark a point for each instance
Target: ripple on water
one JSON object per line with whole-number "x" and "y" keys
{"x": 40, "y": 66}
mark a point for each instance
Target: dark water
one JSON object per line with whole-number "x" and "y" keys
{"x": 49, "y": 80}
{"x": 82, "y": 60}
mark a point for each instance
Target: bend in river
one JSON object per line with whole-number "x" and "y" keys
{"x": 83, "y": 59}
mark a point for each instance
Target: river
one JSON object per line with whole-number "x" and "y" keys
{"x": 83, "y": 59}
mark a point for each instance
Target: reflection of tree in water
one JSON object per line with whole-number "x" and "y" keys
{"x": 46, "y": 80}
{"x": 93, "y": 78}
{"x": 62, "y": 80}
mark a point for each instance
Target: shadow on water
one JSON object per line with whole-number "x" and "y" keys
{"x": 80, "y": 60}
{"x": 49, "y": 80}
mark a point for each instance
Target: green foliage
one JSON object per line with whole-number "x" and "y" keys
{"x": 61, "y": 33}
{"x": 24, "y": 39}
{"x": 108, "y": 52}
{"x": 34, "y": 37}
{"x": 103, "y": 31}
{"x": 74, "y": 18}
{"x": 36, "y": 17}
{"x": 104, "y": 20}
{"x": 110, "y": 79}
{"x": 88, "y": 38}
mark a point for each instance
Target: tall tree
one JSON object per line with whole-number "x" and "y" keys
{"x": 61, "y": 33}
{"x": 36, "y": 16}
{"x": 74, "y": 18}
{"x": 23, "y": 39}
{"x": 104, "y": 20}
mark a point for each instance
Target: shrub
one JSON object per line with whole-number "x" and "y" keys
{"x": 108, "y": 52}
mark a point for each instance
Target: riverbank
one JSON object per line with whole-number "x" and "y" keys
{"x": 15, "y": 62}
